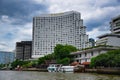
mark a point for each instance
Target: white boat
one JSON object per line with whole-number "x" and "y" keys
{"x": 67, "y": 69}
{"x": 54, "y": 67}
{"x": 60, "y": 68}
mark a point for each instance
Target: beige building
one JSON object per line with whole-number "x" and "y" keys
{"x": 86, "y": 55}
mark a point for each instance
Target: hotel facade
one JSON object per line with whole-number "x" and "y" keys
{"x": 60, "y": 28}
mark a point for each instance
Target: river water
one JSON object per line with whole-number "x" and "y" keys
{"x": 27, "y": 75}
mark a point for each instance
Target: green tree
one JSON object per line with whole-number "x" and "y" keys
{"x": 61, "y": 54}
{"x": 117, "y": 60}
{"x": 2, "y": 65}
{"x": 64, "y": 61}
{"x": 109, "y": 59}
{"x": 92, "y": 64}
{"x": 57, "y": 51}
{"x": 71, "y": 48}
{"x": 41, "y": 60}
{"x": 63, "y": 51}
{"x": 101, "y": 60}
{"x": 49, "y": 57}
{"x": 17, "y": 62}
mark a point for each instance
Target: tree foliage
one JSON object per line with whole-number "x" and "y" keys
{"x": 2, "y": 65}
{"x": 17, "y": 62}
{"x": 41, "y": 60}
{"x": 63, "y": 51}
{"x": 64, "y": 61}
{"x": 109, "y": 59}
{"x": 61, "y": 54}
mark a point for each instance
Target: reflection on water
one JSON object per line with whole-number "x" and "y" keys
{"x": 27, "y": 75}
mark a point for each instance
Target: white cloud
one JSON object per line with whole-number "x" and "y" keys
{"x": 96, "y": 32}
{"x": 18, "y": 33}
{"x": 5, "y": 19}
{"x": 91, "y": 10}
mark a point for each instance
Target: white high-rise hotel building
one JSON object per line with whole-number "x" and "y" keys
{"x": 60, "y": 28}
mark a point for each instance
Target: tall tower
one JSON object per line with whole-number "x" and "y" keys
{"x": 59, "y": 28}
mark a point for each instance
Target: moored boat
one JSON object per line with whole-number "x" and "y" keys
{"x": 60, "y": 68}
{"x": 67, "y": 69}
{"x": 54, "y": 67}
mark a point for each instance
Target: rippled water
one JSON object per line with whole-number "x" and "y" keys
{"x": 27, "y": 75}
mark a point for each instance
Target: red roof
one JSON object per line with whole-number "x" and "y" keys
{"x": 85, "y": 63}
{"x": 74, "y": 63}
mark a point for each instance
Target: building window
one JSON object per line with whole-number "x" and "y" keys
{"x": 80, "y": 55}
{"x": 118, "y": 24}
{"x": 77, "y": 60}
{"x": 91, "y": 53}
{"x": 85, "y": 60}
{"x": 85, "y": 54}
{"x": 75, "y": 56}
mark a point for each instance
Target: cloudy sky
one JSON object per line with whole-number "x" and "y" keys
{"x": 16, "y": 17}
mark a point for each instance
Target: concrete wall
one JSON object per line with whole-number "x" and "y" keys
{"x": 113, "y": 41}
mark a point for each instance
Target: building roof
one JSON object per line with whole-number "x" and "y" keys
{"x": 95, "y": 49}
{"x": 57, "y": 14}
{"x": 85, "y": 63}
{"x": 6, "y": 52}
{"x": 116, "y": 18}
{"x": 74, "y": 63}
{"x": 106, "y": 35}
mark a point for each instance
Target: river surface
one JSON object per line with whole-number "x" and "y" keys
{"x": 28, "y": 75}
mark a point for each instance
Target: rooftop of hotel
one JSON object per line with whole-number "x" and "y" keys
{"x": 57, "y": 14}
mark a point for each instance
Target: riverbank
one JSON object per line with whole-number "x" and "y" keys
{"x": 99, "y": 71}
{"x": 34, "y": 69}
{"x": 104, "y": 71}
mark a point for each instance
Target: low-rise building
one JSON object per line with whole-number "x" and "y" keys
{"x": 86, "y": 55}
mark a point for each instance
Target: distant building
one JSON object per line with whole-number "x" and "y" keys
{"x": 59, "y": 28}
{"x": 109, "y": 39}
{"x": 91, "y": 42}
{"x": 115, "y": 25}
{"x": 6, "y": 57}
{"x": 113, "y": 38}
{"x": 23, "y": 50}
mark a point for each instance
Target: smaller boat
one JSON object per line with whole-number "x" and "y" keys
{"x": 67, "y": 69}
{"x": 54, "y": 67}
{"x": 60, "y": 68}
